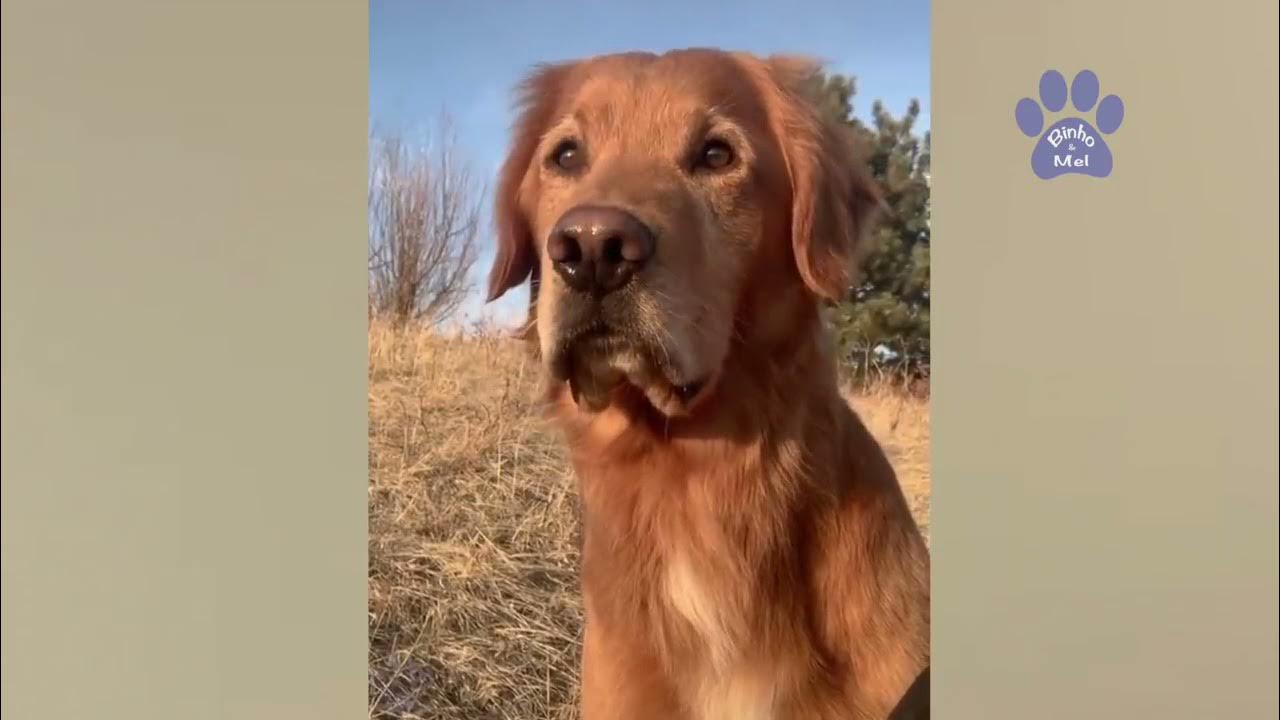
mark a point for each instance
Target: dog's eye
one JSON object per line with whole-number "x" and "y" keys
{"x": 715, "y": 155}
{"x": 567, "y": 156}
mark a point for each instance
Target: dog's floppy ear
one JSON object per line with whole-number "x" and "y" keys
{"x": 516, "y": 257}
{"x": 834, "y": 199}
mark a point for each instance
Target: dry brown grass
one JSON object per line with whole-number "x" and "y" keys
{"x": 473, "y": 602}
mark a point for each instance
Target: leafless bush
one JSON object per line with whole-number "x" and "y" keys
{"x": 424, "y": 225}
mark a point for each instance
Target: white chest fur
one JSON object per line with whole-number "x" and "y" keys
{"x": 726, "y": 688}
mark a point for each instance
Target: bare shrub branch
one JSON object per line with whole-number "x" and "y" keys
{"x": 424, "y": 226}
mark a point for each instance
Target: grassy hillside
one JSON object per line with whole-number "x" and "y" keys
{"x": 473, "y": 604}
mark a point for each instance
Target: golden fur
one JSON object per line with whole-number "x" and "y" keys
{"x": 747, "y": 551}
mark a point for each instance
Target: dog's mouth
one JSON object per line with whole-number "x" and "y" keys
{"x": 599, "y": 362}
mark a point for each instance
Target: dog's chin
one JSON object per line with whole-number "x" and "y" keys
{"x": 603, "y": 370}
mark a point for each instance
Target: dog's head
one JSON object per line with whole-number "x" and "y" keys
{"x": 651, "y": 199}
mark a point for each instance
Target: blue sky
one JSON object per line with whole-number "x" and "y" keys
{"x": 463, "y": 58}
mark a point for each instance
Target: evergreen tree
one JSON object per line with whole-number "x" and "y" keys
{"x": 884, "y": 323}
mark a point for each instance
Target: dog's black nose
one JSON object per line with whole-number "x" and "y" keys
{"x": 598, "y": 249}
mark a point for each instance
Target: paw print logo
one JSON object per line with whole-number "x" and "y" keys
{"x": 1071, "y": 145}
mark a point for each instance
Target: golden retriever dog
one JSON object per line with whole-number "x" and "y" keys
{"x": 747, "y": 552}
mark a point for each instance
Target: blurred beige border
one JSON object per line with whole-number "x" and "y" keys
{"x": 183, "y": 365}
{"x": 184, "y": 440}
{"x": 1104, "y": 407}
